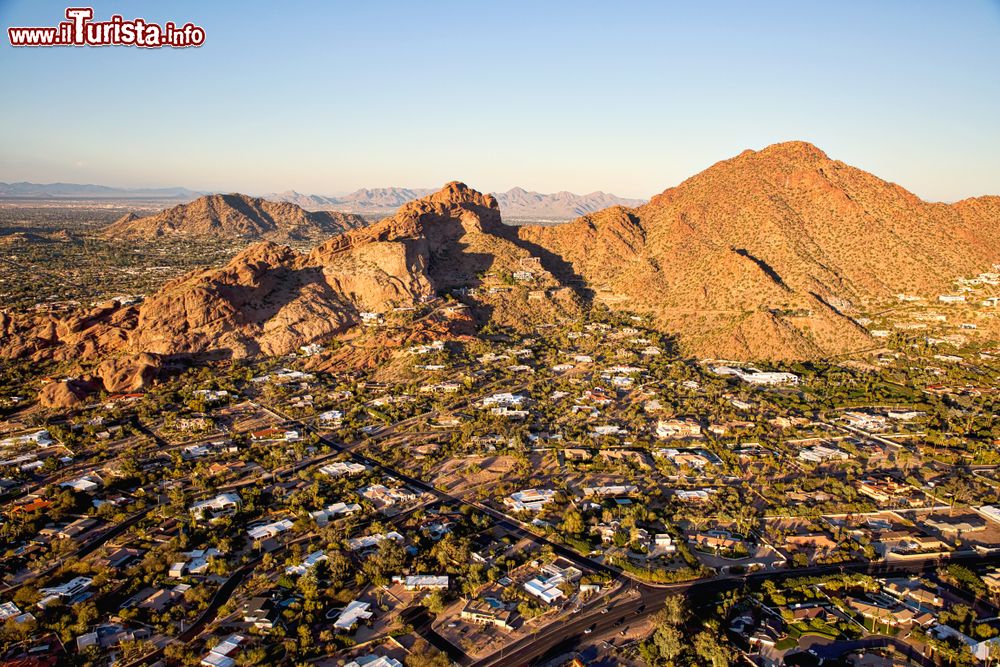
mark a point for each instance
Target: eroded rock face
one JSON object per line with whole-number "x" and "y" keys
{"x": 129, "y": 373}
{"x": 270, "y": 299}
{"x": 65, "y": 394}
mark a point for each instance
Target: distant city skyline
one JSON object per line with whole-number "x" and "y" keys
{"x": 626, "y": 98}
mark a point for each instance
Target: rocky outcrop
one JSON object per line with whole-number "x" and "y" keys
{"x": 65, "y": 394}
{"x": 235, "y": 216}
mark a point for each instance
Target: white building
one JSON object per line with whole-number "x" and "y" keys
{"x": 40, "y": 438}
{"x": 754, "y": 376}
{"x": 221, "y": 655}
{"x": 368, "y": 541}
{"x": 821, "y": 453}
{"x": 308, "y": 563}
{"x": 269, "y": 530}
{"x": 324, "y": 516}
{"x": 85, "y": 484}
{"x": 224, "y": 504}
{"x": 334, "y": 417}
{"x": 66, "y": 591}
{"x": 678, "y": 428}
{"x": 529, "y": 500}
{"x": 504, "y": 400}
{"x": 353, "y": 613}
{"x": 340, "y": 468}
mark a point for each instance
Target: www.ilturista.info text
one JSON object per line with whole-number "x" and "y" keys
{"x": 81, "y": 30}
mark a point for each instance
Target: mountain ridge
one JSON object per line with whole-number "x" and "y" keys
{"x": 235, "y": 216}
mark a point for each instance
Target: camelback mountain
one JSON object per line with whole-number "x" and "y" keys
{"x": 768, "y": 255}
{"x": 235, "y": 216}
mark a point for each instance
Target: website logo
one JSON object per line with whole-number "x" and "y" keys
{"x": 81, "y": 30}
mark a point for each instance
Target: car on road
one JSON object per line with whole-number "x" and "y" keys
{"x": 590, "y": 629}
{"x": 606, "y": 610}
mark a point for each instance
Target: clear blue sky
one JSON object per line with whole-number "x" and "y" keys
{"x": 627, "y": 97}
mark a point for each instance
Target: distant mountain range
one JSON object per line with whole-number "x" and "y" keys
{"x": 516, "y": 203}
{"x": 82, "y": 191}
{"x": 365, "y": 200}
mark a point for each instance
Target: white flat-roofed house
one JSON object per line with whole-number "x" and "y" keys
{"x": 697, "y": 495}
{"x": 504, "y": 411}
{"x": 754, "y": 376}
{"x": 821, "y": 453}
{"x": 222, "y": 505}
{"x": 678, "y": 428}
{"x": 371, "y": 319}
{"x": 991, "y": 512}
{"x": 384, "y": 496}
{"x": 65, "y": 591}
{"x": 865, "y": 421}
{"x": 546, "y": 589}
{"x": 328, "y": 513}
{"x": 904, "y": 415}
{"x": 368, "y": 541}
{"x": 270, "y": 530}
{"x": 308, "y": 563}
{"x": 332, "y": 417}
{"x": 504, "y": 399}
{"x": 664, "y": 543}
{"x": 8, "y": 610}
{"x": 85, "y": 484}
{"x": 340, "y": 468}
{"x": 353, "y": 613}
{"x": 530, "y": 500}
{"x": 221, "y": 655}
{"x": 41, "y": 438}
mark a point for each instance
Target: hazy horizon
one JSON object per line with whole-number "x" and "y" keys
{"x": 627, "y": 99}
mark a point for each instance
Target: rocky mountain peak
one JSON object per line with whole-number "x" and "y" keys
{"x": 456, "y": 192}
